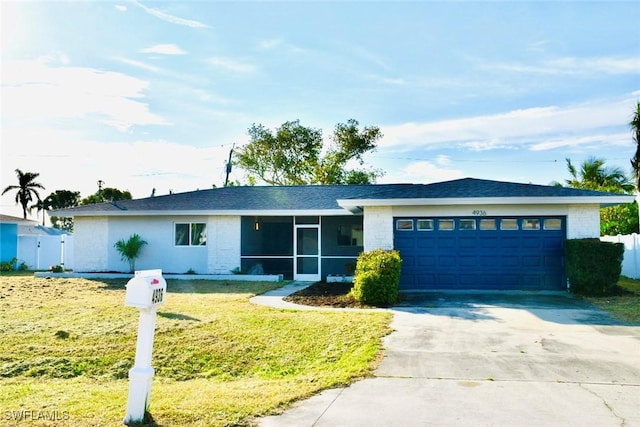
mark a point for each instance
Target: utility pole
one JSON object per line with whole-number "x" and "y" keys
{"x": 226, "y": 181}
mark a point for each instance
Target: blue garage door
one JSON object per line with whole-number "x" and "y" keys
{"x": 514, "y": 253}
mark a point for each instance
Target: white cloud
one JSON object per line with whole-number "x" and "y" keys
{"x": 121, "y": 7}
{"x": 611, "y": 140}
{"x": 443, "y": 160}
{"x": 67, "y": 160}
{"x": 73, "y": 92}
{"x": 518, "y": 128}
{"x": 164, "y": 49}
{"x": 386, "y": 80}
{"x": 229, "y": 64}
{"x": 281, "y": 45}
{"x": 268, "y": 44}
{"x": 573, "y": 66}
{"x": 421, "y": 172}
{"x": 171, "y": 18}
{"x": 139, "y": 64}
{"x": 488, "y": 145}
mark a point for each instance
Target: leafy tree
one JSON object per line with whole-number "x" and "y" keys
{"x": 619, "y": 219}
{"x": 26, "y": 190}
{"x": 107, "y": 194}
{"x": 130, "y": 249}
{"x": 293, "y": 155}
{"x": 62, "y": 199}
{"x": 635, "y": 129}
{"x": 593, "y": 175}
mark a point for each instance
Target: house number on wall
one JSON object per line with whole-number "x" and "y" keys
{"x": 157, "y": 296}
{"x": 479, "y": 212}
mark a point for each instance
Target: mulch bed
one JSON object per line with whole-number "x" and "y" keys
{"x": 323, "y": 294}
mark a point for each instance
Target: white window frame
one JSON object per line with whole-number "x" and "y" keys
{"x": 189, "y": 237}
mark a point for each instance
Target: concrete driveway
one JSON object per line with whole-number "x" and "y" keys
{"x": 491, "y": 359}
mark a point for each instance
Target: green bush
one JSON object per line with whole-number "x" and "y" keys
{"x": 8, "y": 265}
{"x": 377, "y": 277}
{"x": 593, "y": 267}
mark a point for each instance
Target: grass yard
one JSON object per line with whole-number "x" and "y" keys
{"x": 626, "y": 305}
{"x": 68, "y": 345}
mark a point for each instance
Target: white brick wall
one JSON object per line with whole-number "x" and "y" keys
{"x": 378, "y": 228}
{"x": 583, "y": 221}
{"x": 223, "y": 241}
{"x": 91, "y": 244}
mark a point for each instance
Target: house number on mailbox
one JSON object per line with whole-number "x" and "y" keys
{"x": 157, "y": 296}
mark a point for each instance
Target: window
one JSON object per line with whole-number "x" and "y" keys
{"x": 531, "y": 224}
{"x": 446, "y": 225}
{"x": 509, "y": 224}
{"x": 404, "y": 225}
{"x": 425, "y": 225}
{"x": 191, "y": 234}
{"x": 553, "y": 224}
{"x": 488, "y": 224}
{"x": 350, "y": 235}
{"x": 467, "y": 224}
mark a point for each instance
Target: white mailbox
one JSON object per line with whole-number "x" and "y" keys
{"x": 147, "y": 289}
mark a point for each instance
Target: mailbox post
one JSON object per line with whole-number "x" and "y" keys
{"x": 145, "y": 291}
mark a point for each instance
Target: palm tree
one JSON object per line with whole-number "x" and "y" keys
{"x": 593, "y": 175}
{"x": 26, "y": 190}
{"x": 635, "y": 129}
{"x": 130, "y": 249}
{"x": 40, "y": 207}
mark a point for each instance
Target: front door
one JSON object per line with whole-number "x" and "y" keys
{"x": 307, "y": 257}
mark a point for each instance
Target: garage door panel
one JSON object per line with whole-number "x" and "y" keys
{"x": 531, "y": 242}
{"x": 408, "y": 261}
{"x": 510, "y": 242}
{"x": 483, "y": 258}
{"x": 531, "y": 261}
{"x": 447, "y": 261}
{"x": 510, "y": 261}
{"x": 424, "y": 243}
{"x": 447, "y": 280}
{"x": 467, "y": 242}
{"x": 553, "y": 262}
{"x": 489, "y": 242}
{"x": 446, "y": 242}
{"x": 553, "y": 243}
{"x": 490, "y": 260}
{"x": 468, "y": 261}
{"x": 428, "y": 279}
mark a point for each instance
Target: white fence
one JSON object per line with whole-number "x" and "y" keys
{"x": 40, "y": 252}
{"x": 631, "y": 262}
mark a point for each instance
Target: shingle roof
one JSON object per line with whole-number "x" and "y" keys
{"x": 15, "y": 220}
{"x": 472, "y": 187}
{"x": 312, "y": 197}
{"x": 323, "y": 197}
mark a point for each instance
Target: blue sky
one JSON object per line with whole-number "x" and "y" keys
{"x": 145, "y": 95}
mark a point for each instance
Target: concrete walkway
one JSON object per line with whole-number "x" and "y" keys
{"x": 487, "y": 359}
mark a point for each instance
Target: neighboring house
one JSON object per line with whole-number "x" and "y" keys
{"x": 9, "y": 236}
{"x": 461, "y": 234}
{"x": 36, "y": 246}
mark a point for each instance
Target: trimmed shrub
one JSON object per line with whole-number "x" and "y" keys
{"x": 593, "y": 267}
{"x": 377, "y": 277}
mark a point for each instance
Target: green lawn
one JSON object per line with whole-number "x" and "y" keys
{"x": 626, "y": 306}
{"x": 68, "y": 345}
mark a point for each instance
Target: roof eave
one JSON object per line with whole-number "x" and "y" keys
{"x": 351, "y": 204}
{"x": 220, "y": 212}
